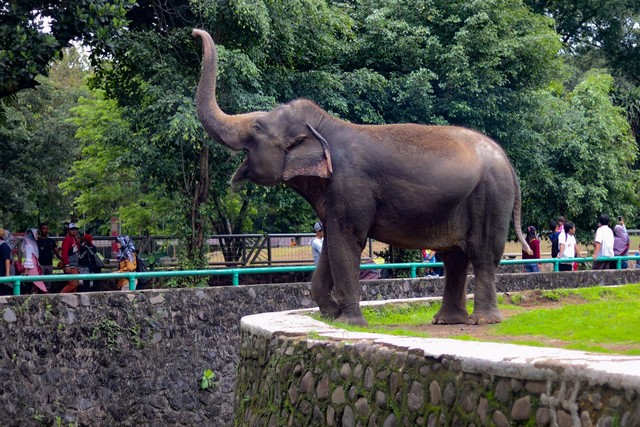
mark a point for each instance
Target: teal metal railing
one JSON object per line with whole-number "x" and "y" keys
{"x": 236, "y": 272}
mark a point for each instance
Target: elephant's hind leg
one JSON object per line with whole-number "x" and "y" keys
{"x": 454, "y": 300}
{"x": 485, "y": 306}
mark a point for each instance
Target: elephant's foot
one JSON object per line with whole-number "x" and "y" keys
{"x": 330, "y": 309}
{"x": 450, "y": 316}
{"x": 485, "y": 317}
{"x": 356, "y": 319}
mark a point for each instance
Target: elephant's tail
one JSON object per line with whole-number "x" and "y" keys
{"x": 517, "y": 220}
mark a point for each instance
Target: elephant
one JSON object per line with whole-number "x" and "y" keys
{"x": 412, "y": 186}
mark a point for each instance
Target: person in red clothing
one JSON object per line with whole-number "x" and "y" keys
{"x": 534, "y": 244}
{"x": 70, "y": 252}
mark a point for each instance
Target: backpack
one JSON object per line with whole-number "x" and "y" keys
{"x": 143, "y": 282}
{"x": 554, "y": 244}
{"x": 97, "y": 261}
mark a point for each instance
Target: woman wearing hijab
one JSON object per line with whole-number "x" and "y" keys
{"x": 30, "y": 254}
{"x": 126, "y": 259}
{"x": 620, "y": 243}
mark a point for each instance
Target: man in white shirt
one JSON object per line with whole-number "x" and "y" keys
{"x": 603, "y": 244}
{"x": 568, "y": 246}
{"x": 316, "y": 243}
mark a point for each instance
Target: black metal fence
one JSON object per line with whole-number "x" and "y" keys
{"x": 227, "y": 250}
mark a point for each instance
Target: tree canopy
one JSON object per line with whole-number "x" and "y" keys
{"x": 553, "y": 83}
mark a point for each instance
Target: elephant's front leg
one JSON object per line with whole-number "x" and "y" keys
{"x": 322, "y": 286}
{"x": 344, "y": 260}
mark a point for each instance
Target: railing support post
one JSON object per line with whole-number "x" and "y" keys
{"x": 414, "y": 273}
{"x": 16, "y": 287}
{"x": 132, "y": 283}
{"x": 236, "y": 278}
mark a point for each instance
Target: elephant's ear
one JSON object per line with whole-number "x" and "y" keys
{"x": 308, "y": 157}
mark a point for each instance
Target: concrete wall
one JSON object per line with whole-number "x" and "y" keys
{"x": 120, "y": 358}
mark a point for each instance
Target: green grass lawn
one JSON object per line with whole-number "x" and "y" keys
{"x": 597, "y": 319}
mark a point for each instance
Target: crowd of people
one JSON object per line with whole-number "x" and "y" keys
{"x": 34, "y": 255}
{"x": 608, "y": 242}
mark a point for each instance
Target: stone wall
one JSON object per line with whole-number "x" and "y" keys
{"x": 296, "y": 371}
{"x": 137, "y": 358}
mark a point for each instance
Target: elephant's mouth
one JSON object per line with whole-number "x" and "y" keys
{"x": 240, "y": 175}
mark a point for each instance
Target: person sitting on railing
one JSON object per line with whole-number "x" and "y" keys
{"x": 568, "y": 246}
{"x": 534, "y": 243}
{"x": 126, "y": 260}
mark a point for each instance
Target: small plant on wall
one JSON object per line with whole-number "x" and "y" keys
{"x": 208, "y": 380}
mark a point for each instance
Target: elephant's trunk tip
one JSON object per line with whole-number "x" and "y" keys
{"x": 196, "y": 32}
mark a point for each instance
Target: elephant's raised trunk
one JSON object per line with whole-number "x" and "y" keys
{"x": 229, "y": 130}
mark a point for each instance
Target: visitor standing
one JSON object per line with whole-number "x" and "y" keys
{"x": 47, "y": 248}
{"x": 70, "y": 254}
{"x": 5, "y": 263}
{"x": 568, "y": 246}
{"x": 534, "y": 243}
{"x": 316, "y": 243}
{"x": 603, "y": 244}
{"x": 29, "y": 250}
{"x": 621, "y": 243}
{"x": 126, "y": 259}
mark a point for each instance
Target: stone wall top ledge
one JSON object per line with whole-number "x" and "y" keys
{"x": 536, "y": 363}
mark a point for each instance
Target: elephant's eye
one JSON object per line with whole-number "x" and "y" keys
{"x": 297, "y": 141}
{"x": 257, "y": 127}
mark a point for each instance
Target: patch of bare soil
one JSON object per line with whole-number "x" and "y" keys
{"x": 523, "y": 301}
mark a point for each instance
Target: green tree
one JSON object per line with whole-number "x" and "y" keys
{"x": 35, "y": 32}
{"x": 39, "y": 147}
{"x": 580, "y": 162}
{"x": 104, "y": 182}
{"x": 599, "y": 30}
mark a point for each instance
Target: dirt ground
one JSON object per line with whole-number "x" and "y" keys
{"x": 531, "y": 300}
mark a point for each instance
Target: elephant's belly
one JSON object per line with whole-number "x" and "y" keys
{"x": 416, "y": 236}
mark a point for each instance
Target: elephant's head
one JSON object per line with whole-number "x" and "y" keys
{"x": 279, "y": 144}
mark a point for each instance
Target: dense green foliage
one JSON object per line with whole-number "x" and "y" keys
{"x": 561, "y": 95}
{"x": 26, "y": 50}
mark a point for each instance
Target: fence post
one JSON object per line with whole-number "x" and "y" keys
{"x": 132, "y": 283}
{"x": 414, "y": 273}
{"x": 236, "y": 278}
{"x": 16, "y": 287}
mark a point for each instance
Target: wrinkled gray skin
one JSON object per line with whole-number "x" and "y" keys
{"x": 446, "y": 188}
